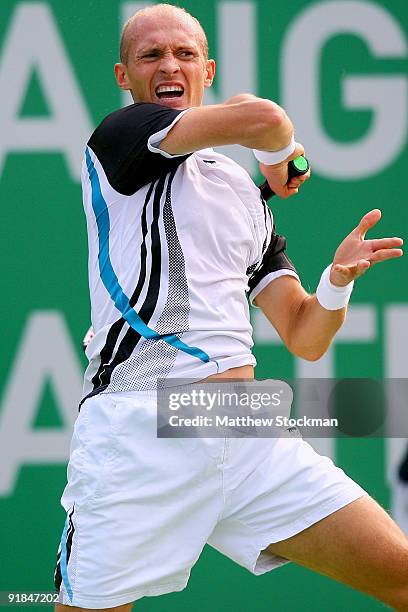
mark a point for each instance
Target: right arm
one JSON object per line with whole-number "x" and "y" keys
{"x": 244, "y": 119}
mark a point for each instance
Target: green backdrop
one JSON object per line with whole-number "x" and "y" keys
{"x": 340, "y": 69}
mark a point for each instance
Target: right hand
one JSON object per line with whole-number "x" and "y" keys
{"x": 278, "y": 179}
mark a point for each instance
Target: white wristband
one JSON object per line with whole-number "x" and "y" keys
{"x": 270, "y": 158}
{"x": 330, "y": 296}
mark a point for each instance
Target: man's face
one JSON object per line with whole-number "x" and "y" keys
{"x": 166, "y": 63}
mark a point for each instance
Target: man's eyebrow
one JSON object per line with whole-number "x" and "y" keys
{"x": 152, "y": 49}
{"x": 188, "y": 46}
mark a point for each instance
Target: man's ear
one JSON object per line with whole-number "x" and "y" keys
{"x": 209, "y": 73}
{"x": 121, "y": 76}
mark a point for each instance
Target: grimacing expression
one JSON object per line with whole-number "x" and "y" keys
{"x": 166, "y": 63}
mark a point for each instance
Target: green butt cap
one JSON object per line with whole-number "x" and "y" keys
{"x": 301, "y": 164}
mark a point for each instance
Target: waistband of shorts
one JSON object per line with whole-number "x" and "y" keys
{"x": 145, "y": 394}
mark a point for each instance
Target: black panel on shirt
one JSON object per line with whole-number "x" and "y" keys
{"x": 120, "y": 144}
{"x": 274, "y": 259}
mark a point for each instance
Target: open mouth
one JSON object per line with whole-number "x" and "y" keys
{"x": 169, "y": 91}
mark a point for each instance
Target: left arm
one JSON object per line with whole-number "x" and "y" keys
{"x": 306, "y": 328}
{"x": 304, "y": 325}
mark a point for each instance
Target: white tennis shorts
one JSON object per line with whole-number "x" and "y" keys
{"x": 140, "y": 508}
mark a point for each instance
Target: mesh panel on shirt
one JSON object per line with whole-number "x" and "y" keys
{"x": 155, "y": 358}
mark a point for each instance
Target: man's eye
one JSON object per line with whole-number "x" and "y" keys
{"x": 186, "y": 53}
{"x": 149, "y": 55}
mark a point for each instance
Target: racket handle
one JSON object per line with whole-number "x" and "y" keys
{"x": 296, "y": 167}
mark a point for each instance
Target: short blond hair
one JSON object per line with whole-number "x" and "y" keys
{"x": 162, "y": 9}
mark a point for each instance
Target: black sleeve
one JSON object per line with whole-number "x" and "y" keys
{"x": 274, "y": 259}
{"x": 120, "y": 144}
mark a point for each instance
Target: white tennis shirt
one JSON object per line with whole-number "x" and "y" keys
{"x": 175, "y": 245}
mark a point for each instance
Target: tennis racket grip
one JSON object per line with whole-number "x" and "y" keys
{"x": 296, "y": 167}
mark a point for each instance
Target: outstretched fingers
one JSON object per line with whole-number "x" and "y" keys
{"x": 386, "y": 243}
{"x": 384, "y": 254}
{"x": 368, "y": 221}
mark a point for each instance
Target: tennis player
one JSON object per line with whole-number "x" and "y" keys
{"x": 178, "y": 234}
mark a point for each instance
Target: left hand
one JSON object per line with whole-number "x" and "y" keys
{"x": 355, "y": 254}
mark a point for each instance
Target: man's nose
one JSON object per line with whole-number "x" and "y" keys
{"x": 169, "y": 64}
